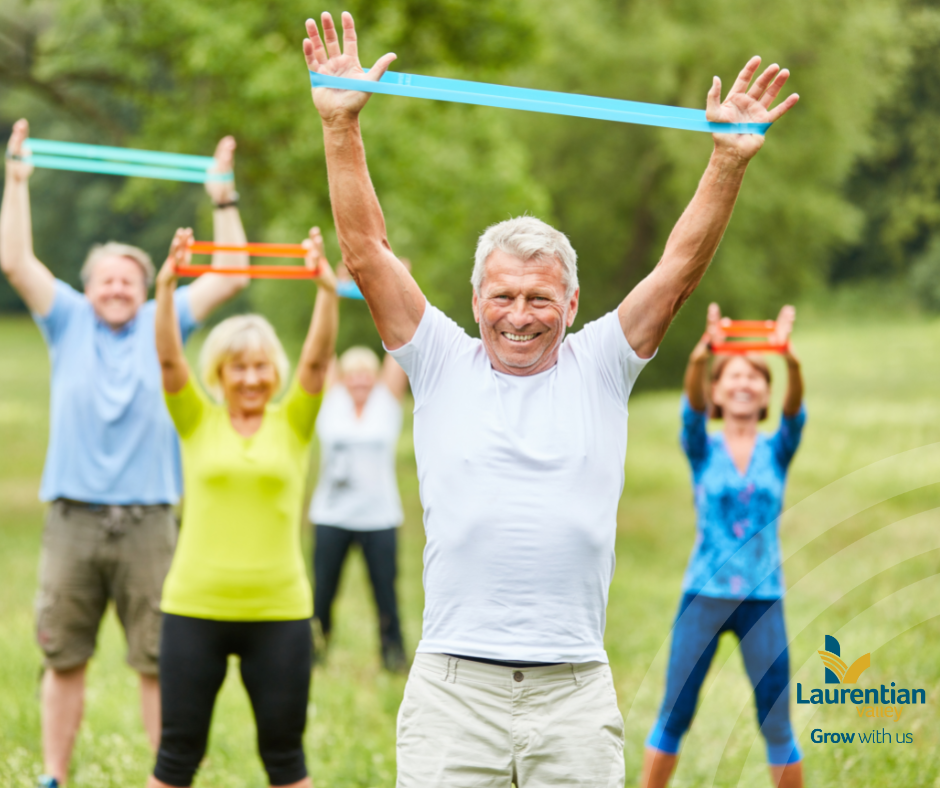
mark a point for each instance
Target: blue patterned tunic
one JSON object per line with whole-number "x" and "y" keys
{"x": 737, "y": 551}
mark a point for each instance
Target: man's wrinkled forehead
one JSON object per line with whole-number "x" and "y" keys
{"x": 543, "y": 271}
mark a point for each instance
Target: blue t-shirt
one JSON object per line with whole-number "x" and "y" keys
{"x": 111, "y": 440}
{"x": 737, "y": 551}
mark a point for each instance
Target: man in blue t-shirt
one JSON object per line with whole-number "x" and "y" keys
{"x": 112, "y": 468}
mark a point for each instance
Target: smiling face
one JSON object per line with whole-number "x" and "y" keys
{"x": 248, "y": 380}
{"x": 116, "y": 288}
{"x": 741, "y": 391}
{"x": 523, "y": 312}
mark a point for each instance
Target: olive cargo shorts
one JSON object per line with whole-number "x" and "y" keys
{"x": 91, "y": 554}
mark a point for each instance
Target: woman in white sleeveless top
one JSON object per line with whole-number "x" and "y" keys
{"x": 356, "y": 499}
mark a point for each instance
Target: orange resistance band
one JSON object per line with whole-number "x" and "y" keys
{"x": 253, "y": 271}
{"x": 751, "y": 336}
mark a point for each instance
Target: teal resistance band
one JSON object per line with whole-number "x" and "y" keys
{"x": 349, "y": 289}
{"x": 576, "y": 105}
{"x": 80, "y": 157}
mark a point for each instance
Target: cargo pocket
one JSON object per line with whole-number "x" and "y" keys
{"x": 49, "y": 633}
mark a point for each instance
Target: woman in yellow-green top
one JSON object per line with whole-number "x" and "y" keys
{"x": 238, "y": 584}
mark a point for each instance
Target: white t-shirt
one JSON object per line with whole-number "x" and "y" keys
{"x": 520, "y": 479}
{"x": 357, "y": 488}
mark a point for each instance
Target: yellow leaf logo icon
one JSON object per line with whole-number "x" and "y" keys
{"x": 837, "y": 669}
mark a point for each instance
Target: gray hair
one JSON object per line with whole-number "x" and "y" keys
{"x": 235, "y": 335}
{"x": 114, "y": 249}
{"x": 527, "y": 238}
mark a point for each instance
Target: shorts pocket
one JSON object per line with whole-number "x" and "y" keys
{"x": 615, "y": 724}
{"x": 49, "y": 633}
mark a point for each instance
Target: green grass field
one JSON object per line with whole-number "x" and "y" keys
{"x": 861, "y": 538}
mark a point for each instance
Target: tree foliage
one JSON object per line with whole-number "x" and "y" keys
{"x": 175, "y": 75}
{"x": 618, "y": 190}
{"x": 896, "y": 183}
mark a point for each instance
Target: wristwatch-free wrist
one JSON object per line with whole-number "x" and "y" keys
{"x": 231, "y": 203}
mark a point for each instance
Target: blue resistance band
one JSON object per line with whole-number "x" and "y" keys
{"x": 576, "y": 105}
{"x": 81, "y": 157}
{"x": 349, "y": 289}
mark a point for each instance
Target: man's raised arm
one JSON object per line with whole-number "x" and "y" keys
{"x": 29, "y": 277}
{"x": 393, "y": 296}
{"x": 645, "y": 314}
{"x": 210, "y": 291}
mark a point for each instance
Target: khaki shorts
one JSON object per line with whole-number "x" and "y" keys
{"x": 91, "y": 554}
{"x": 465, "y": 723}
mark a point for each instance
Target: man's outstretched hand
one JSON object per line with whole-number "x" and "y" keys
{"x": 325, "y": 57}
{"x": 221, "y": 192}
{"x": 748, "y": 105}
{"x": 16, "y": 168}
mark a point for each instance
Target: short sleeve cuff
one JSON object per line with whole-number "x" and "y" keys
{"x": 302, "y": 409}
{"x": 408, "y": 354}
{"x": 689, "y": 413}
{"x": 614, "y": 343}
{"x": 185, "y": 407}
{"x": 424, "y": 326}
{"x": 65, "y": 301}
{"x": 798, "y": 419}
{"x": 185, "y": 395}
{"x": 629, "y": 351}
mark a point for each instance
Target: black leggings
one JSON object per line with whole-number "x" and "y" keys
{"x": 275, "y": 666}
{"x": 378, "y": 548}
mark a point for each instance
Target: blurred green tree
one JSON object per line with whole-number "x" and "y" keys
{"x": 896, "y": 183}
{"x": 192, "y": 72}
{"x": 618, "y": 190}
{"x": 176, "y": 75}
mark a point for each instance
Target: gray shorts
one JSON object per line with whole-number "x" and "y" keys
{"x": 91, "y": 554}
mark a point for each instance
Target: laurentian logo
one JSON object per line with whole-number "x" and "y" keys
{"x": 893, "y": 700}
{"x": 837, "y": 672}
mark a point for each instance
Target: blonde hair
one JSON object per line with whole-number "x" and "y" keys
{"x": 114, "y": 249}
{"x": 358, "y": 359}
{"x": 235, "y": 335}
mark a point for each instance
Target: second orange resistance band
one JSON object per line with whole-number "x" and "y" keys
{"x": 253, "y": 250}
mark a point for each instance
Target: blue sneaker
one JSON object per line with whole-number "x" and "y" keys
{"x": 48, "y": 781}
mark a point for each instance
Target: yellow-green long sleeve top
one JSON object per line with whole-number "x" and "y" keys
{"x": 239, "y": 556}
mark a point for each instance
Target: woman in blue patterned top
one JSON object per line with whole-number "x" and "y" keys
{"x": 734, "y": 581}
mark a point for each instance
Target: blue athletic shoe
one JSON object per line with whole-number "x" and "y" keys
{"x": 48, "y": 781}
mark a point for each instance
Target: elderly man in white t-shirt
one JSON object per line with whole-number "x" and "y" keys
{"x": 520, "y": 439}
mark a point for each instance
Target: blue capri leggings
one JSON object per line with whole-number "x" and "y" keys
{"x": 759, "y": 626}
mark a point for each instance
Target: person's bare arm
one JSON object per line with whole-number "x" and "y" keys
{"x": 331, "y": 374}
{"x": 696, "y": 372}
{"x": 29, "y": 277}
{"x": 646, "y": 313}
{"x": 212, "y": 290}
{"x": 793, "y": 400}
{"x": 393, "y": 296}
{"x": 394, "y": 377}
{"x": 173, "y": 366}
{"x": 320, "y": 344}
